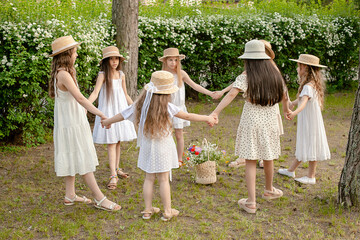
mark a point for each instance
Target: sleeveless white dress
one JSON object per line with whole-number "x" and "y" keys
{"x": 156, "y": 154}
{"x": 74, "y": 148}
{"x": 178, "y": 99}
{"x": 311, "y": 141}
{"x": 120, "y": 131}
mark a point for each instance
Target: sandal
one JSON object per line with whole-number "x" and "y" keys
{"x": 261, "y": 164}
{"x": 174, "y": 213}
{"x": 242, "y": 204}
{"x": 121, "y": 174}
{"x": 237, "y": 163}
{"x": 112, "y": 208}
{"x": 150, "y": 213}
{"x": 112, "y": 185}
{"x": 275, "y": 193}
{"x": 181, "y": 163}
{"x": 69, "y": 202}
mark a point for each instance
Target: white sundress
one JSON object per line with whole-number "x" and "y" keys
{"x": 156, "y": 155}
{"x": 120, "y": 131}
{"x": 311, "y": 141}
{"x": 178, "y": 99}
{"x": 258, "y": 134}
{"x": 74, "y": 148}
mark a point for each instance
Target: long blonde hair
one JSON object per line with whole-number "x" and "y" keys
{"x": 61, "y": 61}
{"x": 178, "y": 70}
{"x": 314, "y": 75}
{"x": 157, "y": 121}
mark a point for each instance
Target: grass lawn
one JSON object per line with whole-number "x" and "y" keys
{"x": 32, "y": 196}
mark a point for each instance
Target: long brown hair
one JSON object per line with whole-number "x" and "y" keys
{"x": 178, "y": 70}
{"x": 106, "y": 68}
{"x": 61, "y": 61}
{"x": 157, "y": 121}
{"x": 313, "y": 74}
{"x": 265, "y": 83}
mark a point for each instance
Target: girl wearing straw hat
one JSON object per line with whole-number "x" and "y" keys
{"x": 152, "y": 113}
{"x": 74, "y": 149}
{"x": 171, "y": 63}
{"x": 311, "y": 141}
{"x": 258, "y": 132}
{"x": 113, "y": 99}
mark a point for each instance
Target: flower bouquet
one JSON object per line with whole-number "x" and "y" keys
{"x": 204, "y": 159}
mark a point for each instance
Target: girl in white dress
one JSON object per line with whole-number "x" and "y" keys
{"x": 74, "y": 150}
{"x": 258, "y": 136}
{"x": 311, "y": 141}
{"x": 153, "y": 112}
{"x": 171, "y": 63}
{"x": 113, "y": 99}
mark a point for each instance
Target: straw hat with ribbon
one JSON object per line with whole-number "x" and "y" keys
{"x": 62, "y": 44}
{"x": 111, "y": 51}
{"x": 171, "y": 52}
{"x": 268, "y": 49}
{"x": 254, "y": 49}
{"x": 309, "y": 59}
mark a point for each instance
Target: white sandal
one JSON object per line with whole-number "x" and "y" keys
{"x": 73, "y": 201}
{"x": 275, "y": 193}
{"x": 174, "y": 213}
{"x": 242, "y": 204}
{"x": 151, "y": 212}
{"x": 111, "y": 208}
{"x": 237, "y": 163}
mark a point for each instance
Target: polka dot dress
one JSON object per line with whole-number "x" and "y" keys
{"x": 258, "y": 135}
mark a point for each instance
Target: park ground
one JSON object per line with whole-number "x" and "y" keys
{"x": 31, "y": 195}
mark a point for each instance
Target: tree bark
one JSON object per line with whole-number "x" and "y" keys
{"x": 349, "y": 185}
{"x": 125, "y": 15}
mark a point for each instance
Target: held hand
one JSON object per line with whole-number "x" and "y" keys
{"x": 211, "y": 121}
{"x": 217, "y": 94}
{"x": 105, "y": 122}
{"x": 216, "y": 117}
{"x": 290, "y": 115}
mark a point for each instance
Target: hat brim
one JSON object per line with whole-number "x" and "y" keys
{"x": 76, "y": 44}
{"x": 259, "y": 56}
{"x": 115, "y": 55}
{"x": 171, "y": 90}
{"x": 181, "y": 57}
{"x": 306, "y": 63}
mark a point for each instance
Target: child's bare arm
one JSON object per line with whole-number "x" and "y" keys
{"x": 107, "y": 123}
{"x": 128, "y": 98}
{"x": 194, "y": 85}
{"x": 99, "y": 82}
{"x": 226, "y": 101}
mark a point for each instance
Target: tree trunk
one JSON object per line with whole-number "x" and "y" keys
{"x": 349, "y": 185}
{"x": 125, "y": 17}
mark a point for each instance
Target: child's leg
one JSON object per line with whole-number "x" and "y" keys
{"x": 98, "y": 195}
{"x": 117, "y": 163}
{"x": 294, "y": 165}
{"x": 269, "y": 173}
{"x": 250, "y": 177}
{"x": 112, "y": 162}
{"x": 312, "y": 169}
{"x": 163, "y": 179}
{"x": 179, "y": 143}
{"x": 148, "y": 190}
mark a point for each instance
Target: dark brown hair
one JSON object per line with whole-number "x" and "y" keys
{"x": 157, "y": 121}
{"x": 61, "y": 61}
{"x": 106, "y": 68}
{"x": 265, "y": 83}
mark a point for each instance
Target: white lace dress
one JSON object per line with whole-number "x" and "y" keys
{"x": 120, "y": 131}
{"x": 311, "y": 141}
{"x": 156, "y": 154}
{"x": 258, "y": 134}
{"x": 178, "y": 99}
{"x": 74, "y": 148}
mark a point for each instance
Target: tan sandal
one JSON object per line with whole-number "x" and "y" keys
{"x": 151, "y": 212}
{"x": 121, "y": 174}
{"x": 237, "y": 163}
{"x": 69, "y": 202}
{"x": 242, "y": 204}
{"x": 167, "y": 217}
{"x": 112, "y": 185}
{"x": 112, "y": 208}
{"x": 275, "y": 193}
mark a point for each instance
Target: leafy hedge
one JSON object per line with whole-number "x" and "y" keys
{"x": 212, "y": 44}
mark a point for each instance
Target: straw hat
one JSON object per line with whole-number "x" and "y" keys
{"x": 254, "y": 49}
{"x": 268, "y": 49}
{"x": 62, "y": 44}
{"x": 163, "y": 81}
{"x": 172, "y": 52}
{"x": 309, "y": 59}
{"x": 111, "y": 51}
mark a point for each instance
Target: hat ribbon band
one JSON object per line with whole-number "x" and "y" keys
{"x": 163, "y": 87}
{"x": 105, "y": 54}
{"x": 254, "y": 51}
{"x": 60, "y": 49}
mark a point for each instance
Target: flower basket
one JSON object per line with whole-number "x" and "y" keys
{"x": 206, "y": 172}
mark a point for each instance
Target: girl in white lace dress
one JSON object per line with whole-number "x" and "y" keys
{"x": 113, "y": 99}
{"x": 258, "y": 136}
{"x": 153, "y": 112}
{"x": 74, "y": 150}
{"x": 311, "y": 141}
{"x": 171, "y": 63}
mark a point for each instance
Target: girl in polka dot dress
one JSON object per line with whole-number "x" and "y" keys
{"x": 258, "y": 136}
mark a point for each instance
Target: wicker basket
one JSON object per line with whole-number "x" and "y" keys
{"x": 206, "y": 172}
